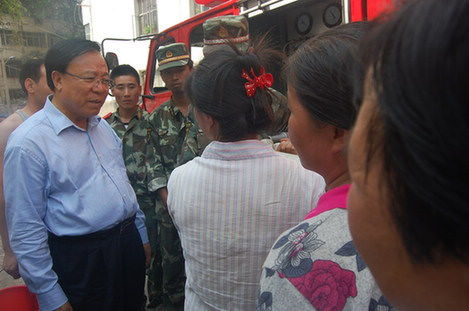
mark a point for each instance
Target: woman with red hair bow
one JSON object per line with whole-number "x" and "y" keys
{"x": 229, "y": 204}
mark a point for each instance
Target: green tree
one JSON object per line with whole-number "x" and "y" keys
{"x": 12, "y": 8}
{"x": 66, "y": 11}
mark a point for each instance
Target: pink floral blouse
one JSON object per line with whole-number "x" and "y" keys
{"x": 315, "y": 266}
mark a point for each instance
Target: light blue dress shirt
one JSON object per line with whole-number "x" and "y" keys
{"x": 63, "y": 179}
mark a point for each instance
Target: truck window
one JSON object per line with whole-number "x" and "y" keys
{"x": 157, "y": 83}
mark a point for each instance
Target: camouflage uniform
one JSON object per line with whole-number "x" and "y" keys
{"x": 281, "y": 114}
{"x": 172, "y": 127}
{"x": 194, "y": 142}
{"x": 141, "y": 157}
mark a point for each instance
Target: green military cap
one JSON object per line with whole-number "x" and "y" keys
{"x": 220, "y": 30}
{"x": 172, "y": 55}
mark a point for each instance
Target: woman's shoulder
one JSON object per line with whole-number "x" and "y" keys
{"x": 316, "y": 266}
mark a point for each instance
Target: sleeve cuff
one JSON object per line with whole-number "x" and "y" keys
{"x": 143, "y": 235}
{"x": 52, "y": 299}
{"x": 157, "y": 183}
{"x": 140, "y": 224}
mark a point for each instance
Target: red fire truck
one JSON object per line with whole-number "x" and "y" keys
{"x": 289, "y": 23}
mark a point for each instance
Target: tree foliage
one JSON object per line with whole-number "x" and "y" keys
{"x": 66, "y": 11}
{"x": 12, "y": 8}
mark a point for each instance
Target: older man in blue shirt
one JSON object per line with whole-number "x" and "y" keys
{"x": 73, "y": 218}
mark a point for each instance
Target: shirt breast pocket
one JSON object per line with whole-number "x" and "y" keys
{"x": 167, "y": 141}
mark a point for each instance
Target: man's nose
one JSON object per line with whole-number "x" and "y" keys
{"x": 101, "y": 87}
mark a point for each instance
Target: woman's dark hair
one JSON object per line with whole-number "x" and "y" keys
{"x": 125, "y": 70}
{"x": 418, "y": 66}
{"x": 216, "y": 88}
{"x": 321, "y": 71}
{"x": 63, "y": 52}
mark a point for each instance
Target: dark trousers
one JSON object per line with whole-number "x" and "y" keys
{"x": 103, "y": 270}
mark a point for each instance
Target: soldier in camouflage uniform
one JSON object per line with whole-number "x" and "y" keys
{"x": 172, "y": 121}
{"x": 218, "y": 31}
{"x": 130, "y": 122}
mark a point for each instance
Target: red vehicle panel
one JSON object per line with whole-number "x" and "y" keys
{"x": 190, "y": 31}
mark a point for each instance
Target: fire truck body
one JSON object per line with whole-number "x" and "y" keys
{"x": 289, "y": 23}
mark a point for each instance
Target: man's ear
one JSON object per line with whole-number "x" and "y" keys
{"x": 30, "y": 86}
{"x": 57, "y": 79}
{"x": 340, "y": 139}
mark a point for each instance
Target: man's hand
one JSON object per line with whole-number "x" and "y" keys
{"x": 163, "y": 194}
{"x": 10, "y": 265}
{"x": 66, "y": 307}
{"x": 286, "y": 146}
{"x": 147, "y": 250}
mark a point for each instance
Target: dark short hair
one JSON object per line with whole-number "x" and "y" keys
{"x": 125, "y": 70}
{"x": 31, "y": 69}
{"x": 419, "y": 68}
{"x": 63, "y": 52}
{"x": 321, "y": 73}
{"x": 216, "y": 88}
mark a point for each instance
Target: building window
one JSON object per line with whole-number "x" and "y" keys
{"x": 52, "y": 39}
{"x": 12, "y": 68}
{"x": 87, "y": 31}
{"x": 7, "y": 37}
{"x": 16, "y": 94}
{"x": 197, "y": 8}
{"x": 35, "y": 39}
{"x": 146, "y": 15}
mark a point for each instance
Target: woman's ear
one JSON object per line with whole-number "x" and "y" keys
{"x": 208, "y": 124}
{"x": 340, "y": 140}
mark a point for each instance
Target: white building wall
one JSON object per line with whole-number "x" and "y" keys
{"x": 116, "y": 19}
{"x": 172, "y": 12}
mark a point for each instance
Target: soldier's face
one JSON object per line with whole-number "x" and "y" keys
{"x": 126, "y": 91}
{"x": 174, "y": 78}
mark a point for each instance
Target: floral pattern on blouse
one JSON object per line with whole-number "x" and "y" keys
{"x": 294, "y": 259}
{"x": 349, "y": 250}
{"x": 324, "y": 283}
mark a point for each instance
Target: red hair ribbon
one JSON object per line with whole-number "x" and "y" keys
{"x": 254, "y": 82}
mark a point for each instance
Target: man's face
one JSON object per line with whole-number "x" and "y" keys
{"x": 126, "y": 91}
{"x": 174, "y": 78}
{"x": 82, "y": 97}
{"x": 41, "y": 89}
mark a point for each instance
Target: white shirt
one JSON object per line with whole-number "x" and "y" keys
{"x": 229, "y": 206}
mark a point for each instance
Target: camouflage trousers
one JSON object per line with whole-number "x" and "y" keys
{"x": 155, "y": 271}
{"x": 174, "y": 277}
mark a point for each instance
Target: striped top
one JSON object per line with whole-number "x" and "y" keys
{"x": 229, "y": 205}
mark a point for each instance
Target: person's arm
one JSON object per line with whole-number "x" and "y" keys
{"x": 10, "y": 265}
{"x": 25, "y": 189}
{"x": 142, "y": 229}
{"x": 156, "y": 172}
{"x": 163, "y": 195}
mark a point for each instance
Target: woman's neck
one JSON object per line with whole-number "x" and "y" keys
{"x": 339, "y": 180}
{"x": 337, "y": 174}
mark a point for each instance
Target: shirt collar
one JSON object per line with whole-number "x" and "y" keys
{"x": 60, "y": 121}
{"x": 238, "y": 150}
{"x": 137, "y": 115}
{"x": 334, "y": 198}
